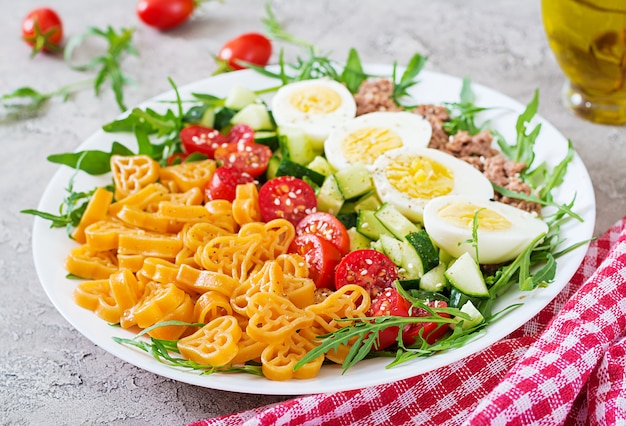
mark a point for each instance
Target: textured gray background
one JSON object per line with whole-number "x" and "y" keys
{"x": 51, "y": 374}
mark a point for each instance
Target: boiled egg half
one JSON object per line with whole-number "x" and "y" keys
{"x": 314, "y": 106}
{"x": 366, "y": 137}
{"x": 503, "y": 231}
{"x": 408, "y": 178}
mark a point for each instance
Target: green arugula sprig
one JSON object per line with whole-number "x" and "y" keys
{"x": 26, "y": 101}
{"x": 108, "y": 64}
{"x": 165, "y": 351}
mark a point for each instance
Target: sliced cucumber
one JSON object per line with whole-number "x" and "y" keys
{"x": 272, "y": 166}
{"x": 239, "y": 97}
{"x": 435, "y": 279}
{"x": 320, "y": 165}
{"x": 402, "y": 254}
{"x": 369, "y": 201}
{"x": 466, "y": 277}
{"x": 267, "y": 138}
{"x": 475, "y": 316}
{"x": 329, "y": 198}
{"x": 357, "y": 240}
{"x": 255, "y": 116}
{"x": 425, "y": 249}
{"x": 395, "y": 222}
{"x": 296, "y": 146}
{"x": 291, "y": 168}
{"x": 368, "y": 225}
{"x": 354, "y": 181}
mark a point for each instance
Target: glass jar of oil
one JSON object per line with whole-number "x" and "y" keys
{"x": 588, "y": 39}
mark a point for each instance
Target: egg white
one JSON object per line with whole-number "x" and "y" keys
{"x": 315, "y": 106}
{"x": 503, "y": 242}
{"x": 462, "y": 178}
{"x": 366, "y": 137}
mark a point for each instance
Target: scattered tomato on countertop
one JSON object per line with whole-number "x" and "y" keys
{"x": 165, "y": 14}
{"x": 253, "y": 48}
{"x": 43, "y": 30}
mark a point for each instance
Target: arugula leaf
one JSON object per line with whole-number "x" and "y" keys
{"x": 522, "y": 151}
{"x": 463, "y": 114}
{"x": 353, "y": 75}
{"x": 107, "y": 65}
{"x": 93, "y": 162}
{"x": 408, "y": 78}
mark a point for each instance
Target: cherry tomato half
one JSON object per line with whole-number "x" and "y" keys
{"x": 254, "y": 48}
{"x": 429, "y": 331}
{"x": 251, "y": 158}
{"x": 321, "y": 256}
{"x": 204, "y": 140}
{"x": 223, "y": 183}
{"x": 286, "y": 197}
{"x": 369, "y": 268}
{"x": 388, "y": 303}
{"x": 43, "y": 30}
{"x": 240, "y": 133}
{"x": 327, "y": 226}
{"x": 165, "y": 14}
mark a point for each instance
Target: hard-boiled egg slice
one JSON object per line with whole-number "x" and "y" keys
{"x": 364, "y": 138}
{"x": 315, "y": 106}
{"x": 503, "y": 231}
{"x": 408, "y": 178}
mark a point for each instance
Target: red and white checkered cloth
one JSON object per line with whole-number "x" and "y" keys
{"x": 571, "y": 371}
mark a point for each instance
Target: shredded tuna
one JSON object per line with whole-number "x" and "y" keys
{"x": 375, "y": 95}
{"x": 436, "y": 115}
{"x": 462, "y": 144}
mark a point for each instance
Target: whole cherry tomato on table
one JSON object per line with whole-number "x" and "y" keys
{"x": 165, "y": 14}
{"x": 43, "y": 30}
{"x": 253, "y": 48}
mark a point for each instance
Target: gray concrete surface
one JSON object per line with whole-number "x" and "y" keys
{"x": 49, "y": 373}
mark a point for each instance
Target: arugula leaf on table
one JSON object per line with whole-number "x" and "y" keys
{"x": 108, "y": 65}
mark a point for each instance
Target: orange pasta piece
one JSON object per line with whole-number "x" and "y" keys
{"x": 187, "y": 175}
{"x": 246, "y": 204}
{"x": 211, "y": 305}
{"x": 85, "y": 262}
{"x": 150, "y": 244}
{"x": 201, "y": 281}
{"x": 278, "y": 360}
{"x": 159, "y": 270}
{"x": 249, "y": 349}
{"x": 95, "y": 211}
{"x": 143, "y": 199}
{"x": 96, "y": 296}
{"x": 215, "y": 344}
{"x": 132, "y": 173}
{"x": 104, "y": 234}
{"x": 222, "y": 215}
{"x": 301, "y": 291}
{"x": 273, "y": 318}
{"x": 179, "y": 214}
{"x": 145, "y": 220}
{"x": 125, "y": 288}
{"x": 132, "y": 262}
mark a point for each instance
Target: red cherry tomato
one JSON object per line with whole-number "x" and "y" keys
{"x": 369, "y": 268}
{"x": 429, "y": 331}
{"x": 254, "y": 48}
{"x": 223, "y": 183}
{"x": 251, "y": 158}
{"x": 204, "y": 140}
{"x": 176, "y": 158}
{"x": 165, "y": 14}
{"x": 321, "y": 256}
{"x": 388, "y": 303}
{"x": 327, "y": 226}
{"x": 240, "y": 133}
{"x": 43, "y": 30}
{"x": 286, "y": 197}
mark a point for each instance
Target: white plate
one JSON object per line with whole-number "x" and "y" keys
{"x": 50, "y": 247}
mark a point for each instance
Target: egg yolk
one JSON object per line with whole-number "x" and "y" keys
{"x": 315, "y": 100}
{"x": 420, "y": 177}
{"x": 365, "y": 145}
{"x": 462, "y": 215}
